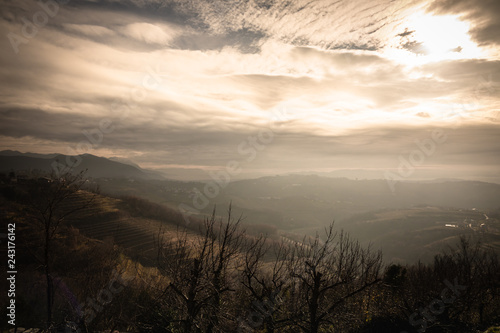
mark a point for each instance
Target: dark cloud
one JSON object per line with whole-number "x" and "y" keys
{"x": 372, "y": 46}
{"x": 406, "y": 33}
{"x": 40, "y": 124}
{"x": 415, "y": 47}
{"x": 244, "y": 40}
{"x": 408, "y": 43}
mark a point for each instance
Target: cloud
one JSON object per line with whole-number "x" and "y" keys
{"x": 480, "y": 74}
{"x": 89, "y": 29}
{"x": 224, "y": 71}
{"x": 484, "y": 14}
{"x": 346, "y": 24}
{"x": 471, "y": 147}
{"x": 415, "y": 47}
{"x": 150, "y": 33}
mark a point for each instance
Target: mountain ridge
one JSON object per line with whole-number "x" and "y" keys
{"x": 96, "y": 166}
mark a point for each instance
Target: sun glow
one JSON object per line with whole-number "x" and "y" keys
{"x": 428, "y": 38}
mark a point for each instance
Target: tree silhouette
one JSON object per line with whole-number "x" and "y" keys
{"x": 200, "y": 273}
{"x": 52, "y": 202}
{"x": 326, "y": 273}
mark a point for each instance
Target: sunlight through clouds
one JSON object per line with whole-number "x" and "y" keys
{"x": 226, "y": 66}
{"x": 429, "y": 38}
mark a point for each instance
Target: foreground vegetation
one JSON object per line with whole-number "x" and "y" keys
{"x": 216, "y": 277}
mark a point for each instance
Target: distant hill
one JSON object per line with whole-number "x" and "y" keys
{"x": 296, "y": 202}
{"x": 97, "y": 167}
{"x": 35, "y": 155}
{"x": 368, "y": 194}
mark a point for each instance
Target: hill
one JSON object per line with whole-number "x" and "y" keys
{"x": 98, "y": 167}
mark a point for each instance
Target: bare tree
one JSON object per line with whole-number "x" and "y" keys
{"x": 53, "y": 201}
{"x": 265, "y": 280}
{"x": 200, "y": 273}
{"x": 475, "y": 268}
{"x": 224, "y": 246}
{"x": 327, "y": 273}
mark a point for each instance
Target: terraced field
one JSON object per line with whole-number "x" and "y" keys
{"x": 106, "y": 221}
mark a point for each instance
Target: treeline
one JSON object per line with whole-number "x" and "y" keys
{"x": 223, "y": 279}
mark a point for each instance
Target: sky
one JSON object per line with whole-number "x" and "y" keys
{"x": 376, "y": 89}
